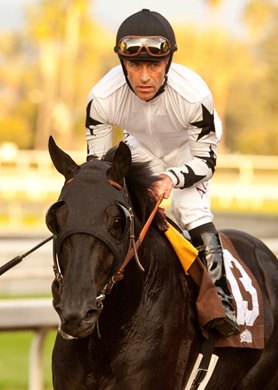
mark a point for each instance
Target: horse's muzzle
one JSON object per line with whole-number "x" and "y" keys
{"x": 76, "y": 325}
{"x": 65, "y": 335}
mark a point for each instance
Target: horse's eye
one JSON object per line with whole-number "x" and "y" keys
{"x": 118, "y": 224}
{"x": 118, "y": 221}
{"x": 115, "y": 221}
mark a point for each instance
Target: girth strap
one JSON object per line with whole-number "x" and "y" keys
{"x": 204, "y": 365}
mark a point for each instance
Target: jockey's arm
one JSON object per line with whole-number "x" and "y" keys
{"x": 98, "y": 131}
{"x": 204, "y": 135}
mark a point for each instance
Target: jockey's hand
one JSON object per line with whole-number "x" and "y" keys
{"x": 163, "y": 186}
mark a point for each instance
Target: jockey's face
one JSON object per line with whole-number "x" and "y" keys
{"x": 146, "y": 77}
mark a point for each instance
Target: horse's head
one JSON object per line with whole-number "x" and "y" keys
{"x": 91, "y": 224}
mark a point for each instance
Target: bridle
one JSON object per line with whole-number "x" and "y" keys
{"x": 134, "y": 245}
{"x": 119, "y": 274}
{"x": 131, "y": 252}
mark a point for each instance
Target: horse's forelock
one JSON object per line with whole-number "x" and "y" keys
{"x": 138, "y": 180}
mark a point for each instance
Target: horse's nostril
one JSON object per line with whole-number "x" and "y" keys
{"x": 90, "y": 314}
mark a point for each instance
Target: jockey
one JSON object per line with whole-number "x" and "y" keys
{"x": 168, "y": 117}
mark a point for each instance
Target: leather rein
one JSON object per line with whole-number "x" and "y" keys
{"x": 134, "y": 245}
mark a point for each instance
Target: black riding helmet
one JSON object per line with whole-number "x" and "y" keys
{"x": 146, "y": 23}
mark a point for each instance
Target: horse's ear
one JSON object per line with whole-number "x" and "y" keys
{"x": 121, "y": 163}
{"x": 61, "y": 160}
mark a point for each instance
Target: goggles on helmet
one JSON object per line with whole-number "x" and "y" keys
{"x": 132, "y": 46}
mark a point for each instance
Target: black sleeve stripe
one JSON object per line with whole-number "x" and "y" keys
{"x": 173, "y": 173}
{"x": 190, "y": 178}
{"x": 210, "y": 161}
{"x": 89, "y": 120}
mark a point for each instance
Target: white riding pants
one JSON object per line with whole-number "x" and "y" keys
{"x": 190, "y": 207}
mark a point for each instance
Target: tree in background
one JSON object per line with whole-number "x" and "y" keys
{"x": 258, "y": 132}
{"x": 16, "y": 113}
{"x": 242, "y": 75}
{"x": 72, "y": 51}
{"x": 46, "y": 71}
{"x": 223, "y": 62}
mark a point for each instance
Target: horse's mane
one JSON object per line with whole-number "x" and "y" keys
{"x": 138, "y": 180}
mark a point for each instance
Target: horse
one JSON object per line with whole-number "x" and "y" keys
{"x": 139, "y": 331}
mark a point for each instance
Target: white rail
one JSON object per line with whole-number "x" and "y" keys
{"x": 31, "y": 174}
{"x": 29, "y": 184}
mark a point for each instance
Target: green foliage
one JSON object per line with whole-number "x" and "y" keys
{"x": 48, "y": 69}
{"x": 14, "y": 370}
{"x": 16, "y": 129}
{"x": 243, "y": 77}
{"x": 14, "y": 355}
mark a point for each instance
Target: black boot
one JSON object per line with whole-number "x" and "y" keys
{"x": 211, "y": 253}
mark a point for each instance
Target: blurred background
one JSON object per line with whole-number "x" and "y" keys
{"x": 53, "y": 52}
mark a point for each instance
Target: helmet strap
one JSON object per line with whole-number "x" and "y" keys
{"x": 169, "y": 63}
{"x": 125, "y": 73}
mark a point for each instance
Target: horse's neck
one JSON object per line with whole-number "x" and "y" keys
{"x": 150, "y": 311}
{"x": 162, "y": 287}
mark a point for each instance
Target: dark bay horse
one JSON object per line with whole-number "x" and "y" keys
{"x": 144, "y": 334}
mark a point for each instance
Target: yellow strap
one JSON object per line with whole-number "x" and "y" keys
{"x": 185, "y": 251}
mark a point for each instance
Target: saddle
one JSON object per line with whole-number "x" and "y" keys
{"x": 248, "y": 302}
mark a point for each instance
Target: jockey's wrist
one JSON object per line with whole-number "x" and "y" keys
{"x": 172, "y": 177}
